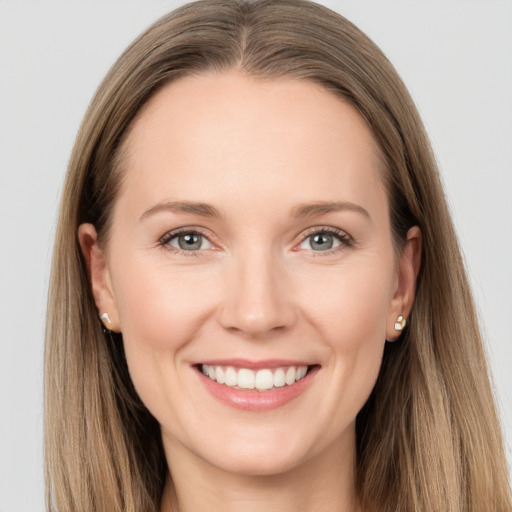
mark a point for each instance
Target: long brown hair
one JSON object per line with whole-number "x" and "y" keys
{"x": 428, "y": 438}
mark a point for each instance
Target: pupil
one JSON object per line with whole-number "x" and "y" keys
{"x": 189, "y": 242}
{"x": 322, "y": 242}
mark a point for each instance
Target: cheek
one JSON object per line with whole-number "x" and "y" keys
{"x": 350, "y": 304}
{"x": 161, "y": 310}
{"x": 349, "y": 310}
{"x": 159, "y": 306}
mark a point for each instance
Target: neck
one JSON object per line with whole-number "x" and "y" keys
{"x": 324, "y": 482}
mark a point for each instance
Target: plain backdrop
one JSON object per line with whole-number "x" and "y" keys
{"x": 454, "y": 55}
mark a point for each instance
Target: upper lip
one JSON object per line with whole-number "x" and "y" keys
{"x": 258, "y": 364}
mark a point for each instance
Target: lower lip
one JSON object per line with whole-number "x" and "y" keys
{"x": 253, "y": 400}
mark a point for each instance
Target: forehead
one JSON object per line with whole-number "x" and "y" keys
{"x": 209, "y": 136}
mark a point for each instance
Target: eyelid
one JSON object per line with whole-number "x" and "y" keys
{"x": 170, "y": 235}
{"x": 345, "y": 239}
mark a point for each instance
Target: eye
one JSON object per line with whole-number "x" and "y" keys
{"x": 323, "y": 240}
{"x": 188, "y": 240}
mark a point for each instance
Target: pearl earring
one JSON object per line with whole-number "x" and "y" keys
{"x": 400, "y": 323}
{"x": 106, "y": 319}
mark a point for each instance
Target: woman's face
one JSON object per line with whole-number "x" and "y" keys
{"x": 251, "y": 241}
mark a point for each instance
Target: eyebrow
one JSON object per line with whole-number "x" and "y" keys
{"x": 323, "y": 207}
{"x": 190, "y": 207}
{"x": 298, "y": 212}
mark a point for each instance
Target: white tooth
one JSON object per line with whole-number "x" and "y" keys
{"x": 204, "y": 369}
{"x": 231, "y": 378}
{"x": 220, "y": 375}
{"x": 279, "y": 378}
{"x": 211, "y": 372}
{"x": 301, "y": 372}
{"x": 264, "y": 380}
{"x": 290, "y": 376}
{"x": 245, "y": 378}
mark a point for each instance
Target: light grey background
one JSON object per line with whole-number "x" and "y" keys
{"x": 455, "y": 56}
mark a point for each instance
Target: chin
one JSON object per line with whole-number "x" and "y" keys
{"x": 260, "y": 464}
{"x": 267, "y": 453}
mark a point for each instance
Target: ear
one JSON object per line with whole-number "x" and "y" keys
{"x": 99, "y": 276}
{"x": 408, "y": 269}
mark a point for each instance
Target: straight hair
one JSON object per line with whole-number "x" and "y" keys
{"x": 428, "y": 438}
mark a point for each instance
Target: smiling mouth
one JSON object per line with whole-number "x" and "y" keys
{"x": 246, "y": 379}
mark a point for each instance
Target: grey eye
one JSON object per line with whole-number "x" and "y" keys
{"x": 320, "y": 242}
{"x": 190, "y": 242}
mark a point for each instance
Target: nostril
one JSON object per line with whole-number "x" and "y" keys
{"x": 256, "y": 319}
{"x": 255, "y": 300}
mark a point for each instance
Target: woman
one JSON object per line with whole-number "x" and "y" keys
{"x": 252, "y": 209}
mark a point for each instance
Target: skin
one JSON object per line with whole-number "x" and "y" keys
{"x": 257, "y": 289}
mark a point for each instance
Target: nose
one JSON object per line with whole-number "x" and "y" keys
{"x": 258, "y": 299}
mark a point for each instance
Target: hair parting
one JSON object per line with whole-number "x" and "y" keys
{"x": 428, "y": 438}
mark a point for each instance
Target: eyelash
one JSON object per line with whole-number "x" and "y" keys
{"x": 165, "y": 240}
{"x": 345, "y": 240}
